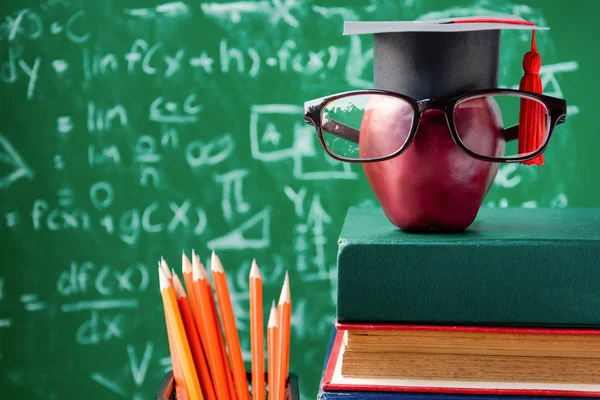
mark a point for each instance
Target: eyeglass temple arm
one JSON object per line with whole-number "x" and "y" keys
{"x": 512, "y": 133}
{"x": 347, "y": 132}
{"x": 340, "y": 130}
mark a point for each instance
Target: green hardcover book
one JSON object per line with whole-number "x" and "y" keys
{"x": 512, "y": 267}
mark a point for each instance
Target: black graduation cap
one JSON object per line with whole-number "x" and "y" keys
{"x": 447, "y": 57}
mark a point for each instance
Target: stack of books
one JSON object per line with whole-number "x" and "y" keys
{"x": 509, "y": 308}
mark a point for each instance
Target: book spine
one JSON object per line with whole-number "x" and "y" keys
{"x": 538, "y": 284}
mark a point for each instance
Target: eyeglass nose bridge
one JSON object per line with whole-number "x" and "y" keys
{"x": 431, "y": 104}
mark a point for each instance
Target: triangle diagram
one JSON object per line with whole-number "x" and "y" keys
{"x": 252, "y": 234}
{"x": 12, "y": 166}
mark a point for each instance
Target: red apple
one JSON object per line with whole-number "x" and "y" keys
{"x": 434, "y": 184}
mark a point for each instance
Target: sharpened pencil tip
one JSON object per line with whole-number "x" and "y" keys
{"x": 179, "y": 290}
{"x": 215, "y": 263}
{"x": 163, "y": 280}
{"x": 198, "y": 270}
{"x": 186, "y": 265}
{"x": 285, "y": 290}
{"x": 166, "y": 268}
{"x": 254, "y": 271}
{"x": 273, "y": 317}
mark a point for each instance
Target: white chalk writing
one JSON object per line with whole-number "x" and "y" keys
{"x": 17, "y": 168}
{"x": 104, "y": 280}
{"x": 100, "y": 305}
{"x": 107, "y": 383}
{"x": 99, "y": 328}
{"x": 237, "y": 239}
{"x": 139, "y": 368}
{"x": 233, "y": 178}
{"x": 31, "y": 302}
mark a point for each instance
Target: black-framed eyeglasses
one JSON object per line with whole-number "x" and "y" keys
{"x": 373, "y": 125}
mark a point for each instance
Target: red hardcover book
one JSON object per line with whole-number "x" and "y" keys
{"x": 333, "y": 379}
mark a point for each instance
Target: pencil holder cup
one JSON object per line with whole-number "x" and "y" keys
{"x": 167, "y": 392}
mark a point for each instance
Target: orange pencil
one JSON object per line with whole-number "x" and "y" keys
{"x": 231, "y": 335}
{"x": 180, "y": 387}
{"x": 285, "y": 314}
{"x": 272, "y": 334}
{"x": 188, "y": 277}
{"x": 208, "y": 288}
{"x": 257, "y": 336}
{"x": 179, "y": 337}
{"x": 205, "y": 285}
{"x": 213, "y": 306}
{"x": 209, "y": 331}
{"x": 194, "y": 340}
{"x": 186, "y": 271}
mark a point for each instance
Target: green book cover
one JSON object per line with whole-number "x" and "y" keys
{"x": 512, "y": 267}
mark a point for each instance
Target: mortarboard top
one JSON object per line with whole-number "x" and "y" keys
{"x": 437, "y": 58}
{"x": 462, "y": 24}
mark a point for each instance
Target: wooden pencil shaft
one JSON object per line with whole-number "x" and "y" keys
{"x": 196, "y": 312}
{"x": 221, "y": 342}
{"x": 231, "y": 335}
{"x": 257, "y": 339}
{"x": 209, "y": 335}
{"x": 197, "y": 350}
{"x": 272, "y": 340}
{"x": 271, "y": 350}
{"x": 189, "y": 284}
{"x": 186, "y": 307}
{"x": 181, "y": 344}
{"x": 283, "y": 348}
{"x": 175, "y": 363}
{"x": 180, "y": 385}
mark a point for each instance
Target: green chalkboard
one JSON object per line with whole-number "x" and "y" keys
{"x": 134, "y": 129}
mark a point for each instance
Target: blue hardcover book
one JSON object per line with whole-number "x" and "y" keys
{"x": 332, "y": 388}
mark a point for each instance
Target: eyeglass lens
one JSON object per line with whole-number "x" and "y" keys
{"x": 367, "y": 126}
{"x": 492, "y": 115}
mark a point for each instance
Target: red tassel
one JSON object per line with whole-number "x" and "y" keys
{"x": 532, "y": 117}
